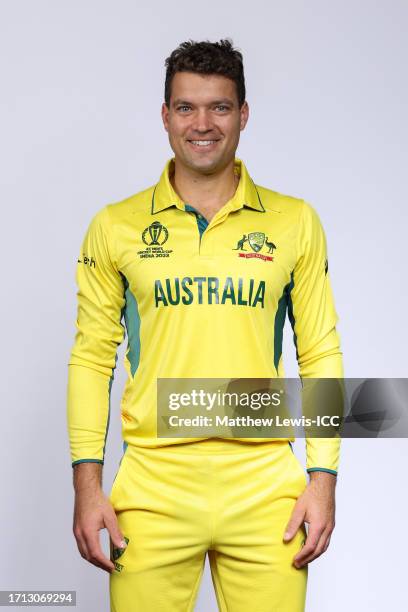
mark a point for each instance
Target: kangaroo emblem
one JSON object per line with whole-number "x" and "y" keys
{"x": 240, "y": 243}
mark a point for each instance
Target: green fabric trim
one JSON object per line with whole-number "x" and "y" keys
{"x": 152, "y": 206}
{"x": 318, "y": 469}
{"x": 109, "y": 406}
{"x": 202, "y": 222}
{"x": 125, "y": 445}
{"x": 280, "y": 317}
{"x": 290, "y": 311}
{"x": 130, "y": 303}
{"x": 132, "y": 321}
{"x": 284, "y": 305}
{"x": 87, "y": 461}
{"x": 259, "y": 198}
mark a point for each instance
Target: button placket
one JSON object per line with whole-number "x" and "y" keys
{"x": 215, "y": 222}
{"x": 205, "y": 250}
{"x": 201, "y": 225}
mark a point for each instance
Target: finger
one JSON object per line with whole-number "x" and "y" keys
{"x": 295, "y": 522}
{"x": 95, "y": 553}
{"x": 80, "y": 541}
{"x": 318, "y": 550}
{"x": 85, "y": 554}
{"x": 312, "y": 540}
{"x": 102, "y": 566}
{"x": 81, "y": 546}
{"x": 112, "y": 525}
{"x": 102, "y": 562}
{"x": 316, "y": 553}
{"x": 327, "y": 543}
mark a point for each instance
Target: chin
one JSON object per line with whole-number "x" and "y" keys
{"x": 203, "y": 164}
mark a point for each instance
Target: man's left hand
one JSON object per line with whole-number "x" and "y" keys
{"x": 316, "y": 506}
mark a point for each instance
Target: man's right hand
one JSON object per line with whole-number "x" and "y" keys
{"x": 93, "y": 512}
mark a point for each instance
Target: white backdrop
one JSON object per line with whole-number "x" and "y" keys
{"x": 82, "y": 85}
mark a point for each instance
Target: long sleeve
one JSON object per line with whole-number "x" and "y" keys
{"x": 313, "y": 317}
{"x": 99, "y": 333}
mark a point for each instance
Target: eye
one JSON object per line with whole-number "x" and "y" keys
{"x": 221, "y": 107}
{"x": 182, "y": 107}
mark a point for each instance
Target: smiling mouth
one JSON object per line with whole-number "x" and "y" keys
{"x": 203, "y": 143}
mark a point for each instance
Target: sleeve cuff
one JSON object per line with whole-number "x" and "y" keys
{"x": 87, "y": 461}
{"x": 321, "y": 469}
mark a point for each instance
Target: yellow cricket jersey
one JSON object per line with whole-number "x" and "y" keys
{"x": 199, "y": 300}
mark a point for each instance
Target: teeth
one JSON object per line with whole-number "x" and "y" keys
{"x": 203, "y": 143}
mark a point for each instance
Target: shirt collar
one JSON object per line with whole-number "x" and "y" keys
{"x": 246, "y": 193}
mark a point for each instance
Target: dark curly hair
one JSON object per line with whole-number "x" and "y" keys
{"x": 206, "y": 58}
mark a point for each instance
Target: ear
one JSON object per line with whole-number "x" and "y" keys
{"x": 244, "y": 114}
{"x": 165, "y": 116}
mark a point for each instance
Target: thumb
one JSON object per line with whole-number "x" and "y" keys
{"x": 112, "y": 525}
{"x": 294, "y": 524}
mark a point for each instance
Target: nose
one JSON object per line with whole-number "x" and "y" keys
{"x": 202, "y": 121}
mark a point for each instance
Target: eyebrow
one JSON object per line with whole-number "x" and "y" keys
{"x": 218, "y": 101}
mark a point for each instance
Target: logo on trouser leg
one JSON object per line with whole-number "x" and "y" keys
{"x": 116, "y": 553}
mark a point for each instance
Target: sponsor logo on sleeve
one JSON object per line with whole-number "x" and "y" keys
{"x": 88, "y": 261}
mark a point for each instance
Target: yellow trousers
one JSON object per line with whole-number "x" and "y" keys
{"x": 226, "y": 498}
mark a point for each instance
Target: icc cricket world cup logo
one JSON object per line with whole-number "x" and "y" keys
{"x": 155, "y": 234}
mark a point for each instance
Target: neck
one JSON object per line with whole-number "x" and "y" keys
{"x": 206, "y": 192}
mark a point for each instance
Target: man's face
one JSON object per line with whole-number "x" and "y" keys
{"x": 204, "y": 120}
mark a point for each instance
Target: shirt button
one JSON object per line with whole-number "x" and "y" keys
{"x": 199, "y": 216}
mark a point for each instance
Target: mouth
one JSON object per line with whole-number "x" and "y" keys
{"x": 203, "y": 145}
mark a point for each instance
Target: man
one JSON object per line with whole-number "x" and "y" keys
{"x": 171, "y": 260}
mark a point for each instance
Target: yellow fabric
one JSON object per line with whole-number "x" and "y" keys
{"x": 228, "y": 498}
{"x": 227, "y": 312}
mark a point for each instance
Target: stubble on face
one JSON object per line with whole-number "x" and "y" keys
{"x": 204, "y": 121}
